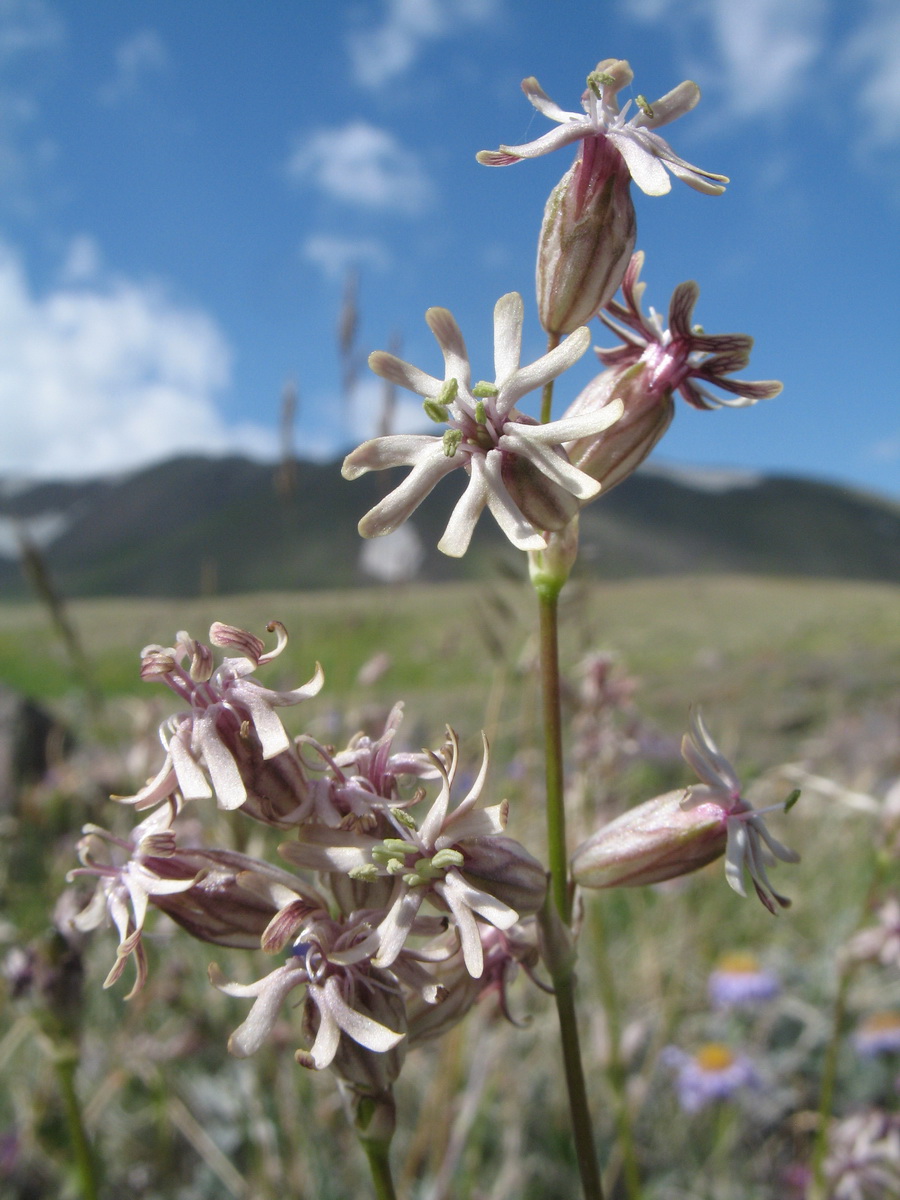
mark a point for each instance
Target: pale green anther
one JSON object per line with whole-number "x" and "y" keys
{"x": 435, "y": 411}
{"x": 368, "y": 872}
{"x": 697, "y": 329}
{"x": 792, "y": 799}
{"x": 395, "y": 866}
{"x": 485, "y": 389}
{"x": 480, "y": 412}
{"x": 644, "y": 105}
{"x": 598, "y": 79}
{"x": 447, "y": 858}
{"x": 405, "y": 818}
{"x": 451, "y": 440}
{"x": 448, "y": 392}
{"x": 397, "y": 846}
{"x": 414, "y": 880}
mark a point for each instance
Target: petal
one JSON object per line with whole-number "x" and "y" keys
{"x": 555, "y": 466}
{"x": 543, "y": 369}
{"x": 223, "y": 770}
{"x": 397, "y": 450}
{"x": 371, "y": 1034}
{"x": 681, "y": 308}
{"x": 328, "y": 1036}
{"x": 509, "y": 312}
{"x": 191, "y": 781}
{"x": 395, "y": 370}
{"x": 546, "y": 106}
{"x": 643, "y": 165}
{"x": 395, "y": 928}
{"x": 504, "y": 510}
{"x": 467, "y": 510}
{"x": 735, "y": 855}
{"x": 569, "y": 429}
{"x": 443, "y": 325}
{"x": 554, "y": 139}
{"x": 399, "y": 504}
{"x": 270, "y": 995}
{"x": 671, "y": 106}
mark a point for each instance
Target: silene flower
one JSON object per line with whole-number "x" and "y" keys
{"x": 645, "y": 372}
{"x": 679, "y": 832}
{"x": 230, "y": 741}
{"x": 517, "y": 468}
{"x": 647, "y": 156}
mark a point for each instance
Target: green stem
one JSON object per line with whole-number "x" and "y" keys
{"x": 65, "y": 1059}
{"x": 380, "y": 1166}
{"x": 553, "y": 340}
{"x": 562, "y": 964}
{"x": 556, "y": 812}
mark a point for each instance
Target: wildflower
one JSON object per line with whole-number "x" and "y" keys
{"x": 445, "y": 858}
{"x": 863, "y": 1161}
{"x": 713, "y": 1073}
{"x": 125, "y": 889}
{"x": 747, "y": 839}
{"x": 679, "y": 832}
{"x": 739, "y": 981}
{"x": 516, "y": 467}
{"x": 644, "y": 373}
{"x": 345, "y": 995}
{"x": 647, "y": 156}
{"x": 231, "y": 741}
{"x": 881, "y": 942}
{"x": 878, "y": 1034}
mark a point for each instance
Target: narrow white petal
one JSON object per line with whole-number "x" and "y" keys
{"x": 449, "y": 337}
{"x": 397, "y": 450}
{"x": 249, "y": 1036}
{"x": 469, "y": 507}
{"x": 394, "y": 929}
{"x": 543, "y": 369}
{"x": 371, "y": 1034}
{"x": 509, "y": 312}
{"x": 505, "y": 512}
{"x": 328, "y": 1035}
{"x": 395, "y": 370}
{"x": 569, "y": 429}
{"x": 399, "y": 504}
{"x": 223, "y": 770}
{"x": 554, "y": 466}
{"x": 735, "y": 855}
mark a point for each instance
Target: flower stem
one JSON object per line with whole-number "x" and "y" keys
{"x": 65, "y": 1060}
{"x": 560, "y": 897}
{"x": 553, "y": 340}
{"x": 379, "y": 1165}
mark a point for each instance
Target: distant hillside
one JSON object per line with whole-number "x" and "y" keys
{"x": 194, "y": 525}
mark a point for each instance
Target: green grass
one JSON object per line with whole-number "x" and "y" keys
{"x": 785, "y": 671}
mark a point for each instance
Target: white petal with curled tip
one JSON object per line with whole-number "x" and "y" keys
{"x": 466, "y": 925}
{"x": 272, "y": 735}
{"x": 736, "y": 855}
{"x": 328, "y": 1035}
{"x": 270, "y": 994}
{"x": 570, "y": 429}
{"x": 670, "y": 107}
{"x": 509, "y": 312}
{"x": 547, "y": 107}
{"x": 395, "y": 370}
{"x": 364, "y": 1030}
{"x": 483, "y": 903}
{"x": 403, "y": 501}
{"x": 449, "y": 337}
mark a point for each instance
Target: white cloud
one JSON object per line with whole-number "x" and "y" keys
{"x": 141, "y": 56}
{"x": 872, "y": 56}
{"x": 30, "y": 33}
{"x": 106, "y": 377}
{"x": 361, "y": 165}
{"x": 27, "y": 26}
{"x": 758, "y": 53}
{"x": 334, "y": 256}
{"x": 380, "y": 54}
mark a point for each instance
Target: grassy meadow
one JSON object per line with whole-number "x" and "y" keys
{"x": 797, "y": 681}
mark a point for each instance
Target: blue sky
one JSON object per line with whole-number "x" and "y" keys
{"x": 185, "y": 186}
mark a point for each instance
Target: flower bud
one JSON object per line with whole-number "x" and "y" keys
{"x": 654, "y": 841}
{"x": 369, "y": 1072}
{"x": 539, "y": 498}
{"x": 587, "y": 237}
{"x": 613, "y": 455}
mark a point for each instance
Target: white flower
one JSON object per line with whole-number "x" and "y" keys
{"x": 647, "y": 156}
{"x": 517, "y": 468}
{"x": 748, "y": 843}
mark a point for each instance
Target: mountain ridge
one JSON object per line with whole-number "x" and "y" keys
{"x": 195, "y": 525}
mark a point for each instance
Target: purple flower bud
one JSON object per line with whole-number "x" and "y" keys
{"x": 654, "y": 841}
{"x": 505, "y": 869}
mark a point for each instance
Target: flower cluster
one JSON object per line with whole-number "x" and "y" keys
{"x": 401, "y": 912}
